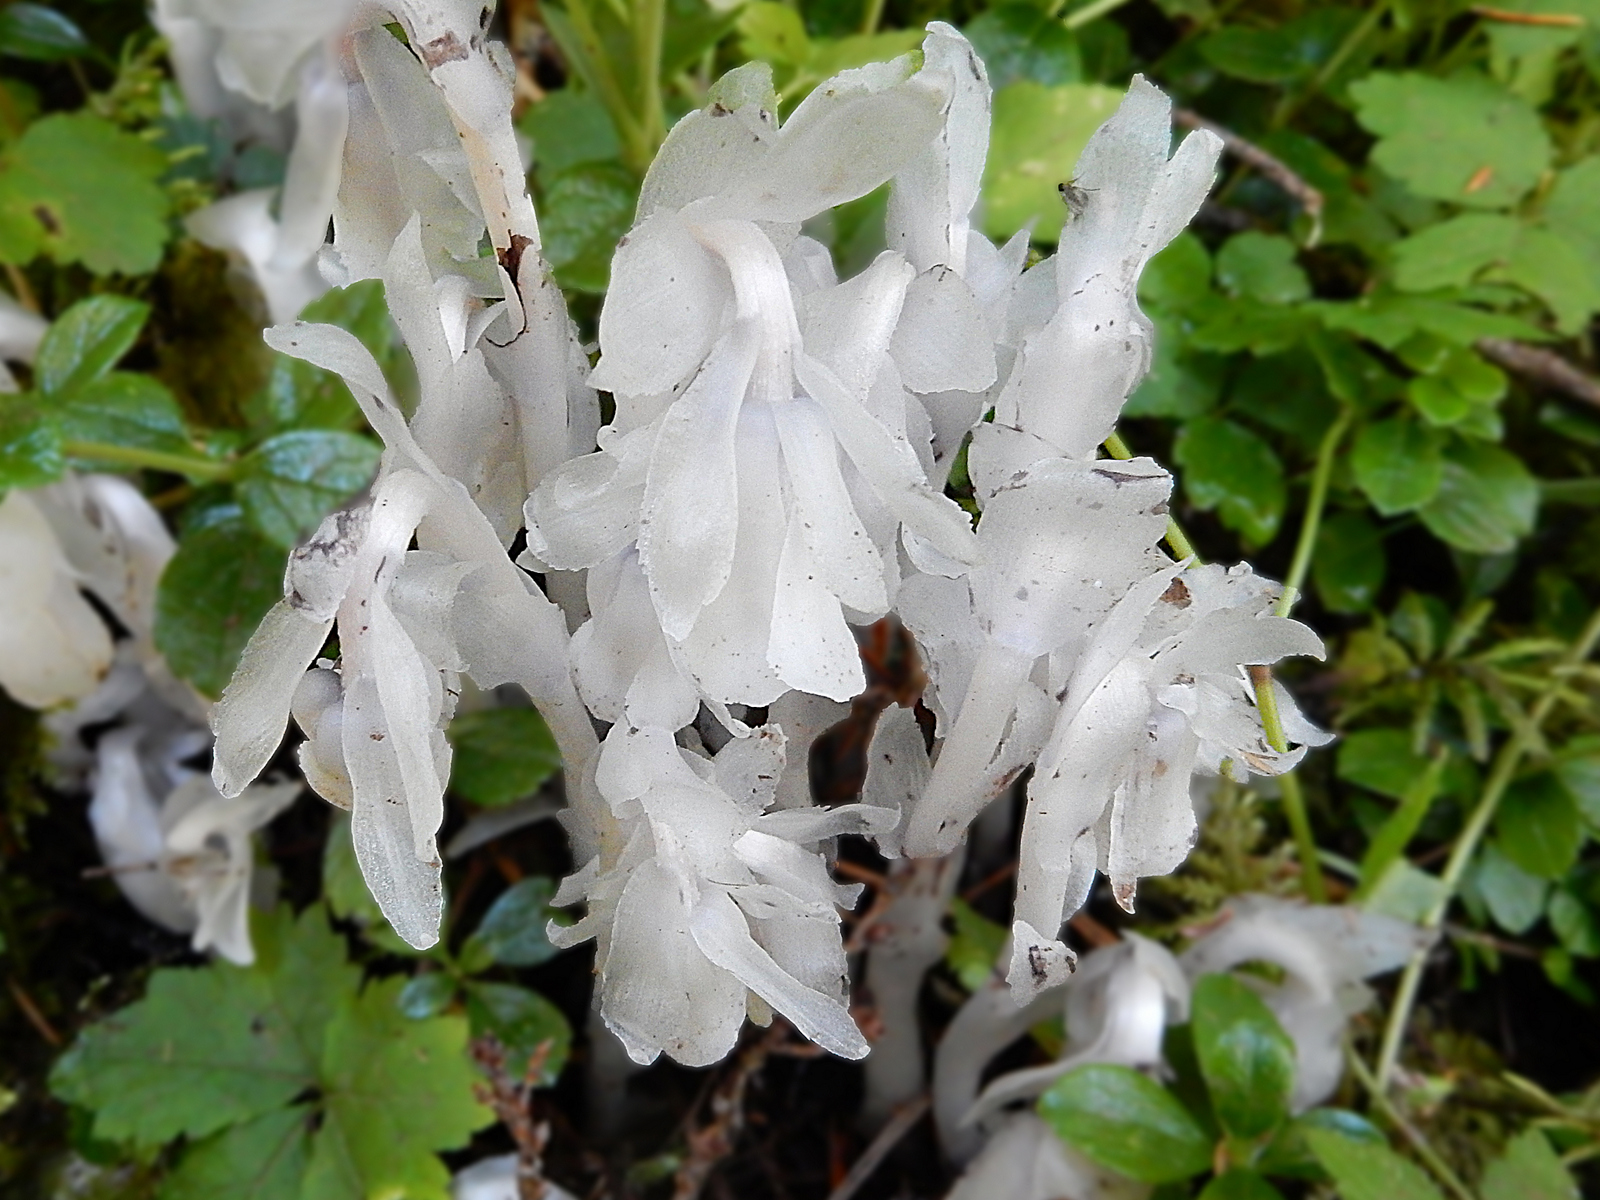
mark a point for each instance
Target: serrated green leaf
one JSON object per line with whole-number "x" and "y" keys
{"x": 1228, "y": 468}
{"x": 1022, "y": 41}
{"x": 512, "y": 932}
{"x": 210, "y": 1047}
{"x": 1452, "y": 253}
{"x": 39, "y": 33}
{"x": 1487, "y": 500}
{"x": 80, "y": 189}
{"x": 1515, "y": 898}
{"x": 260, "y": 1159}
{"x": 213, "y": 594}
{"x": 1398, "y": 463}
{"x": 1538, "y": 826}
{"x": 1369, "y": 1171}
{"x": 1036, "y": 137}
{"x": 395, "y": 1090}
{"x": 523, "y": 1021}
{"x": 1465, "y": 139}
{"x": 86, "y": 341}
{"x": 125, "y": 409}
{"x": 586, "y": 209}
{"x": 291, "y": 481}
{"x": 1528, "y": 1170}
{"x": 1178, "y": 278}
{"x": 30, "y": 444}
{"x": 501, "y": 755}
{"x": 1348, "y": 567}
{"x": 1261, "y": 266}
{"x": 1245, "y": 1056}
{"x": 1127, "y": 1122}
{"x": 975, "y": 945}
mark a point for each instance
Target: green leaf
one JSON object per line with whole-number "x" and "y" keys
{"x": 1240, "y": 1185}
{"x": 1036, "y": 137}
{"x": 1398, "y": 463}
{"x": 80, "y": 189}
{"x": 1179, "y": 277}
{"x": 512, "y": 932}
{"x": 1528, "y": 1170}
{"x": 427, "y": 995}
{"x": 212, "y": 596}
{"x": 586, "y": 210}
{"x": 1246, "y": 1057}
{"x": 125, "y": 409}
{"x": 1127, "y": 1122}
{"x": 1578, "y": 768}
{"x": 1348, "y": 567}
{"x": 1228, "y": 324}
{"x": 1465, "y": 139}
{"x": 1262, "y": 266}
{"x": 260, "y": 1159}
{"x": 1561, "y": 271}
{"x": 1405, "y": 892}
{"x": 692, "y": 28}
{"x": 1254, "y": 55}
{"x": 1574, "y": 924}
{"x": 40, "y": 33}
{"x": 1515, "y": 898}
{"x": 774, "y": 33}
{"x": 210, "y": 1047}
{"x": 86, "y": 341}
{"x": 291, "y": 481}
{"x": 1391, "y": 840}
{"x": 1538, "y": 826}
{"x": 301, "y": 396}
{"x": 568, "y": 128}
{"x": 1452, "y": 253}
{"x": 501, "y": 755}
{"x": 347, "y": 894}
{"x": 395, "y": 1091}
{"x": 1290, "y": 1154}
{"x": 1486, "y": 500}
{"x": 523, "y": 1021}
{"x": 1022, "y": 41}
{"x": 30, "y": 444}
{"x": 1368, "y": 1171}
{"x": 975, "y": 945}
{"x": 1230, "y": 469}
{"x": 1178, "y": 385}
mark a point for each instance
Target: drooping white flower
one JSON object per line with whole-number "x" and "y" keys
{"x": 706, "y": 907}
{"x": 1159, "y": 692}
{"x": 1325, "y": 952}
{"x": 185, "y": 862}
{"x": 762, "y": 459}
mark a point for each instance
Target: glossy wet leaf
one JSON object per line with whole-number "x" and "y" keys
{"x": 1246, "y": 1057}
{"x": 1128, "y": 1122}
{"x": 212, "y": 596}
{"x": 291, "y": 481}
{"x": 586, "y": 209}
{"x": 501, "y": 755}
{"x": 126, "y": 409}
{"x": 40, "y": 33}
{"x": 1022, "y": 41}
{"x": 86, "y": 341}
{"x": 512, "y": 932}
{"x": 1291, "y": 1155}
{"x": 30, "y": 443}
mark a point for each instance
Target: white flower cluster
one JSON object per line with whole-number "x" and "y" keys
{"x": 773, "y": 476}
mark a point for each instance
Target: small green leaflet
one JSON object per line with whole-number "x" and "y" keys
{"x": 1127, "y": 1122}
{"x": 501, "y": 755}
{"x": 1369, "y": 1171}
{"x": 1245, "y": 1056}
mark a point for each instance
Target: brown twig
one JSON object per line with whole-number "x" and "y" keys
{"x": 31, "y": 1011}
{"x": 510, "y": 1099}
{"x": 715, "y": 1140}
{"x": 888, "y": 1138}
{"x": 1558, "y": 20}
{"x": 1542, "y": 366}
{"x": 1270, "y": 165}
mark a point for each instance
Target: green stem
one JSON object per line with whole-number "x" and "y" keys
{"x": 872, "y": 16}
{"x": 1411, "y": 1133}
{"x": 192, "y": 465}
{"x": 649, "y": 30}
{"x": 1331, "y": 68}
{"x": 1316, "y": 501}
{"x": 1501, "y": 773}
{"x": 1090, "y": 12}
{"x": 1305, "y": 843}
{"x": 1176, "y": 538}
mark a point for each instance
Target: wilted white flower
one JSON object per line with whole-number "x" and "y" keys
{"x": 1325, "y": 952}
{"x": 705, "y": 906}
{"x": 186, "y": 862}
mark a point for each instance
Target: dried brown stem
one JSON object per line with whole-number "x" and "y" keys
{"x": 510, "y": 1098}
{"x": 1542, "y": 366}
{"x": 30, "y": 1010}
{"x": 888, "y": 1138}
{"x": 712, "y": 1142}
{"x": 1270, "y": 165}
{"x": 1555, "y": 20}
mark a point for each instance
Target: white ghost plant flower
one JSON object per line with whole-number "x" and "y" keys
{"x": 705, "y": 906}
{"x": 185, "y": 862}
{"x": 1024, "y": 1159}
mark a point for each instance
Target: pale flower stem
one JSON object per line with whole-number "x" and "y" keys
{"x": 649, "y": 29}
{"x": 1306, "y": 545}
{"x": 1410, "y": 1132}
{"x": 1500, "y": 775}
{"x": 1091, "y": 12}
{"x": 872, "y": 16}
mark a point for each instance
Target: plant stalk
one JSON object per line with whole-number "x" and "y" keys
{"x": 192, "y": 465}
{"x": 1501, "y": 773}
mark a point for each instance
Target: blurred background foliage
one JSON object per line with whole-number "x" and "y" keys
{"x": 1374, "y": 378}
